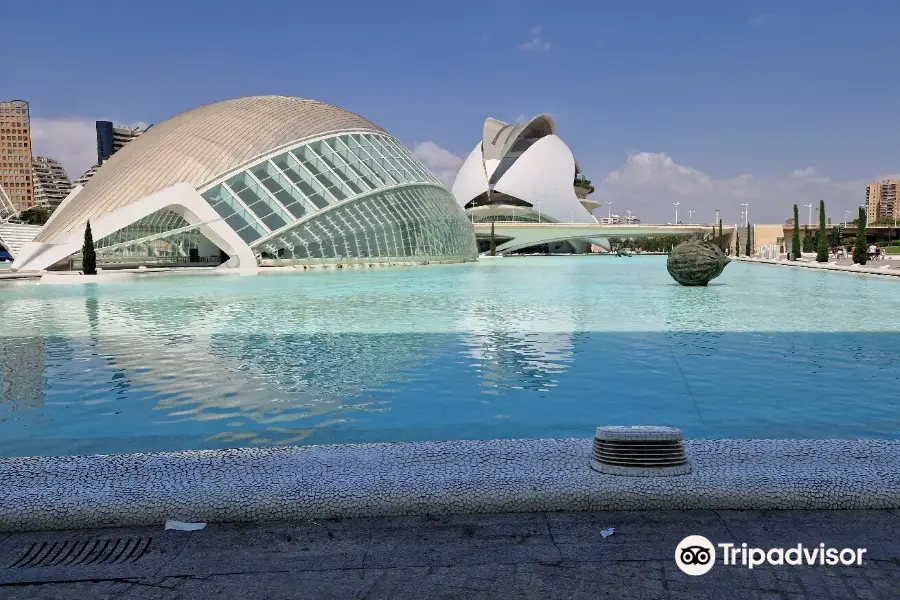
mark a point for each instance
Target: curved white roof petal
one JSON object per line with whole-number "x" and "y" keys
{"x": 543, "y": 177}
{"x": 490, "y": 165}
{"x": 471, "y": 180}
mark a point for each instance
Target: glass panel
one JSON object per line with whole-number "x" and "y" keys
{"x": 355, "y": 164}
{"x": 392, "y": 160}
{"x": 418, "y": 223}
{"x": 258, "y": 201}
{"x": 304, "y": 180}
{"x": 234, "y": 214}
{"x": 338, "y": 166}
{"x": 314, "y": 165}
{"x": 284, "y": 192}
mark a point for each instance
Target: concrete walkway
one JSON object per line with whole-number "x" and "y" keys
{"x": 888, "y": 267}
{"x": 537, "y": 555}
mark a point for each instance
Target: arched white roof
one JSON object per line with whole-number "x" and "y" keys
{"x": 196, "y": 147}
{"x": 542, "y": 175}
{"x": 498, "y": 137}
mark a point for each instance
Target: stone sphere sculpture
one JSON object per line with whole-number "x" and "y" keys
{"x": 696, "y": 262}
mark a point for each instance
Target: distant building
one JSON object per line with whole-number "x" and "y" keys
{"x": 881, "y": 200}
{"x": 110, "y": 139}
{"x": 15, "y": 153}
{"x": 51, "y": 184}
{"x": 619, "y": 220}
{"x": 86, "y": 175}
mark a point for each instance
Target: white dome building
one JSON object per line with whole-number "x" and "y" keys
{"x": 525, "y": 173}
{"x": 255, "y": 181}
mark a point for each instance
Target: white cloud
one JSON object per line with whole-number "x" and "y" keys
{"x": 443, "y": 163}
{"x": 803, "y": 173}
{"x": 649, "y": 182}
{"x": 71, "y": 141}
{"x": 536, "y": 43}
{"x": 761, "y": 19}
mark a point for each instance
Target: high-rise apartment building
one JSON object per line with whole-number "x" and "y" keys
{"x": 110, "y": 139}
{"x": 86, "y": 176}
{"x": 51, "y": 184}
{"x": 15, "y": 153}
{"x": 881, "y": 200}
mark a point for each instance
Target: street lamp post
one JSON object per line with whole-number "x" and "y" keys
{"x": 539, "y": 211}
{"x": 809, "y": 220}
{"x": 846, "y": 216}
{"x": 675, "y": 204}
{"x": 609, "y": 213}
{"x": 691, "y": 217}
{"x": 629, "y": 216}
{"x": 746, "y": 212}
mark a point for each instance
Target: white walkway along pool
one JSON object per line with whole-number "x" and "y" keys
{"x": 519, "y": 347}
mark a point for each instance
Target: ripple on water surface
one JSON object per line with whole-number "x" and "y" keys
{"x": 530, "y": 347}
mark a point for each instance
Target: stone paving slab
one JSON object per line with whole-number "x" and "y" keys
{"x": 436, "y": 478}
{"x": 536, "y": 555}
{"x": 884, "y": 268}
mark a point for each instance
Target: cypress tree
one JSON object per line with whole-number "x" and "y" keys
{"x": 795, "y": 239}
{"x": 737, "y": 243}
{"x": 859, "y": 246}
{"x": 721, "y": 239}
{"x": 493, "y": 245}
{"x": 88, "y": 257}
{"x": 822, "y": 250}
{"x": 749, "y": 242}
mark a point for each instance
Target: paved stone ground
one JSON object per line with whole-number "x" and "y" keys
{"x": 537, "y": 555}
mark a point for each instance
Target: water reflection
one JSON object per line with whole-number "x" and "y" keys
{"x": 501, "y": 349}
{"x": 22, "y": 375}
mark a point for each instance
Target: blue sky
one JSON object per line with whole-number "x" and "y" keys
{"x": 707, "y": 103}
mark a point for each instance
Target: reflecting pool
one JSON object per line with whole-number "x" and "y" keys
{"x": 513, "y": 347}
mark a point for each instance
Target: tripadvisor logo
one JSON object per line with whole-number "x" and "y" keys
{"x": 696, "y": 555}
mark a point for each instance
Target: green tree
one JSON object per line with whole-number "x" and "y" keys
{"x": 859, "y": 246}
{"x": 807, "y": 239}
{"x": 36, "y": 215}
{"x": 796, "y": 248}
{"x": 749, "y": 241}
{"x": 493, "y": 244}
{"x": 721, "y": 238}
{"x": 737, "y": 243}
{"x": 822, "y": 249}
{"x": 88, "y": 257}
{"x": 834, "y": 236}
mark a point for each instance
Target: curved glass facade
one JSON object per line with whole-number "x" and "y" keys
{"x": 351, "y": 196}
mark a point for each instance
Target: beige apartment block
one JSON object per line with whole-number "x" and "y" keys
{"x": 881, "y": 200}
{"x": 15, "y": 153}
{"x": 51, "y": 184}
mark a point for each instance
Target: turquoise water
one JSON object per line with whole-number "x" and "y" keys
{"x": 513, "y": 347}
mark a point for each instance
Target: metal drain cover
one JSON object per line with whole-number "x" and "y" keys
{"x": 641, "y": 451}
{"x": 90, "y": 552}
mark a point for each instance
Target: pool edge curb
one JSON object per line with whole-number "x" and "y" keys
{"x": 434, "y": 478}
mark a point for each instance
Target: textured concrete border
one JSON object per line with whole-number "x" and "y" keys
{"x": 418, "y": 478}
{"x": 855, "y": 269}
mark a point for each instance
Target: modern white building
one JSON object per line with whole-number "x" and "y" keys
{"x": 265, "y": 180}
{"x": 525, "y": 173}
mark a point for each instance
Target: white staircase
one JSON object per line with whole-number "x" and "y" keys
{"x": 13, "y": 236}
